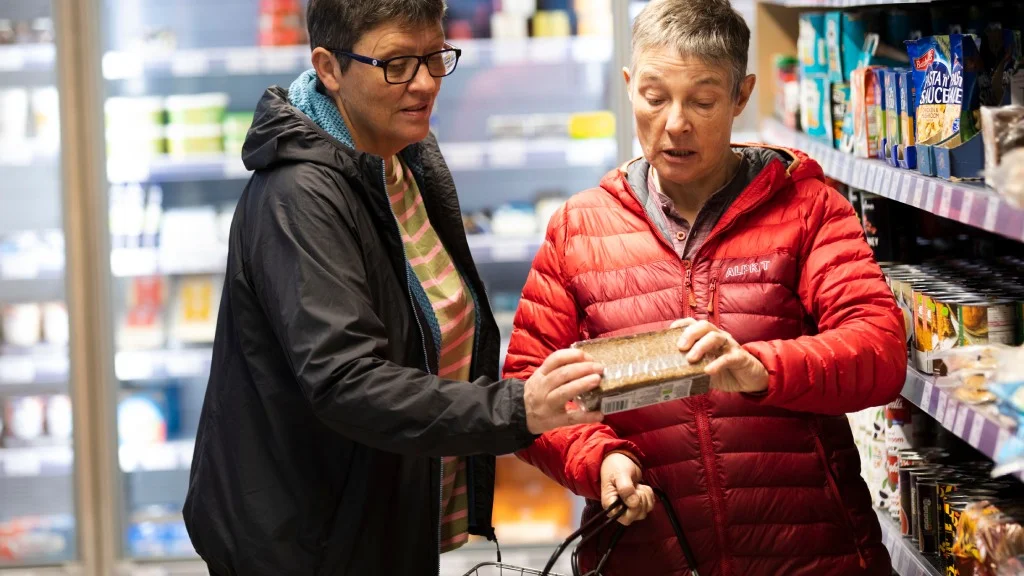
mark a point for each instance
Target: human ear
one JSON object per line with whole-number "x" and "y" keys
{"x": 328, "y": 69}
{"x": 746, "y": 88}
{"x": 626, "y": 76}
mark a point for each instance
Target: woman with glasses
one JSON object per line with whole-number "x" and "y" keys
{"x": 353, "y": 406}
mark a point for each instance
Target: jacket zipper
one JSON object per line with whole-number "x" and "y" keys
{"x": 834, "y": 489}
{"x": 710, "y": 475}
{"x": 691, "y": 298}
{"x": 423, "y": 346}
{"x": 713, "y": 300}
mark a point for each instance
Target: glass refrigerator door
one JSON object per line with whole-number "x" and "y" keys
{"x": 37, "y": 508}
{"x": 523, "y": 124}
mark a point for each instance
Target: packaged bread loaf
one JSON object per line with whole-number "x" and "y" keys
{"x": 641, "y": 370}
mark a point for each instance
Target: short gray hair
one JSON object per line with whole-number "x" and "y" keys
{"x": 339, "y": 24}
{"x": 709, "y": 30}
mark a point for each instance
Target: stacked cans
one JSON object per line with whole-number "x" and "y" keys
{"x": 898, "y": 437}
{"x": 958, "y": 303}
{"x": 933, "y": 495}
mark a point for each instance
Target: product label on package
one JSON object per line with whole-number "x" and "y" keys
{"x": 648, "y": 396}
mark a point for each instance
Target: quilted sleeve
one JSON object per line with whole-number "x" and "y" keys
{"x": 546, "y": 322}
{"x": 858, "y": 358}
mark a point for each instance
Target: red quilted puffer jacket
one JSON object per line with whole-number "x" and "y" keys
{"x": 762, "y": 485}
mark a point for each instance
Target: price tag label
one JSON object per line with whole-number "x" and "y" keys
{"x": 945, "y": 199}
{"x": 940, "y": 408}
{"x": 508, "y": 154}
{"x": 929, "y": 201}
{"x": 966, "y": 206}
{"x": 977, "y": 426}
{"x": 878, "y": 180}
{"x": 926, "y": 396}
{"x": 15, "y": 370}
{"x": 918, "y": 193}
{"x": 190, "y": 63}
{"x": 904, "y": 194}
{"x": 961, "y": 421}
{"x": 242, "y": 62}
{"x": 23, "y": 463}
{"x": 991, "y": 213}
{"x": 952, "y": 407}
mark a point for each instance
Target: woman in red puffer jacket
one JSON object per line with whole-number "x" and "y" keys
{"x": 768, "y": 267}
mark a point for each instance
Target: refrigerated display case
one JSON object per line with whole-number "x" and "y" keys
{"x": 38, "y": 512}
{"x": 524, "y": 122}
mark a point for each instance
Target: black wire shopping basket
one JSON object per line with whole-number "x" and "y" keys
{"x": 588, "y": 531}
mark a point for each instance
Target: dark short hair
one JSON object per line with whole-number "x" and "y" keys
{"x": 339, "y": 24}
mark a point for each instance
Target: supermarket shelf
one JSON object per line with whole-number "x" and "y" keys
{"x": 31, "y": 290}
{"x": 34, "y": 462}
{"x": 171, "y": 169}
{"x": 21, "y": 569}
{"x": 840, "y": 3}
{"x": 27, "y": 58}
{"x": 140, "y": 365}
{"x": 970, "y": 204}
{"x": 980, "y": 427}
{"x": 512, "y": 154}
{"x": 906, "y": 559}
{"x": 26, "y": 154}
{"x": 489, "y": 249}
{"x": 129, "y": 262}
{"x": 167, "y": 457}
{"x": 258, "y": 60}
{"x": 43, "y": 367}
{"x": 168, "y": 568}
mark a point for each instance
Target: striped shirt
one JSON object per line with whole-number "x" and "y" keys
{"x": 455, "y": 313}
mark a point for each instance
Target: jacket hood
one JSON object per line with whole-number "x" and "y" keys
{"x": 280, "y": 133}
{"x": 782, "y": 167}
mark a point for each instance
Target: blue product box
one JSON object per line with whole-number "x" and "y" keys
{"x": 893, "y": 111}
{"x": 834, "y": 46}
{"x": 879, "y": 97}
{"x": 811, "y": 44}
{"x": 816, "y": 107}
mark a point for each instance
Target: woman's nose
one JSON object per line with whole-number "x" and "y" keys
{"x": 677, "y": 122}
{"x": 422, "y": 81}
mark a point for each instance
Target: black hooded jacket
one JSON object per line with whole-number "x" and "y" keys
{"x": 318, "y": 444}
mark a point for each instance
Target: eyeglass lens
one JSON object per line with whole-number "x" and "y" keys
{"x": 440, "y": 64}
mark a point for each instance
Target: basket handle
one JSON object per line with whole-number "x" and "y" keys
{"x": 600, "y": 522}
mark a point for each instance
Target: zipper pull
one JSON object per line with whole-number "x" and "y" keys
{"x": 711, "y": 296}
{"x": 689, "y": 286}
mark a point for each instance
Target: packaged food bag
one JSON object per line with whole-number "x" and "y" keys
{"x": 811, "y": 43}
{"x": 865, "y": 108}
{"x": 641, "y": 370}
{"x": 945, "y": 71}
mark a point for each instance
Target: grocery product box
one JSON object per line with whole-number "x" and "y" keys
{"x": 641, "y": 370}
{"x": 834, "y": 46}
{"x": 880, "y": 109}
{"x": 945, "y": 71}
{"x": 811, "y": 44}
{"x": 906, "y": 149}
{"x": 816, "y": 107}
{"x": 893, "y": 108}
{"x": 865, "y": 108}
{"x": 842, "y": 118}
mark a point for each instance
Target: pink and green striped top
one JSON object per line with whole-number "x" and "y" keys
{"x": 453, "y": 307}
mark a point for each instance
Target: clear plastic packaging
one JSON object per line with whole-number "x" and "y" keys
{"x": 641, "y": 370}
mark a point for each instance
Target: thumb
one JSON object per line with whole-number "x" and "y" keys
{"x": 626, "y": 488}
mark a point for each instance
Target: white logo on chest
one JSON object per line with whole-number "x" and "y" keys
{"x": 744, "y": 269}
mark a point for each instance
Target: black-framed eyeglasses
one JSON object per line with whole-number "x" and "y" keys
{"x": 402, "y": 69}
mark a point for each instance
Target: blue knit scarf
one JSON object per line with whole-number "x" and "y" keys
{"x": 319, "y": 107}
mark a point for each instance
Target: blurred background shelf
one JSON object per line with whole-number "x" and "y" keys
{"x": 36, "y": 461}
{"x": 174, "y": 455}
{"x": 45, "y": 366}
{"x": 142, "y": 365}
{"x": 274, "y": 60}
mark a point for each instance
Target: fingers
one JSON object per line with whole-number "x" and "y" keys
{"x": 734, "y": 359}
{"x": 711, "y": 342}
{"x": 683, "y": 323}
{"x": 579, "y": 417}
{"x": 644, "y": 505}
{"x": 572, "y": 374}
{"x": 695, "y": 332}
{"x": 561, "y": 358}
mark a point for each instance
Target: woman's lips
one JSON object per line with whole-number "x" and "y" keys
{"x": 678, "y": 156}
{"x": 420, "y": 111}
